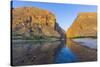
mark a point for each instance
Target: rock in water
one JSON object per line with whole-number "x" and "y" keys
{"x": 84, "y": 25}
{"x": 29, "y": 21}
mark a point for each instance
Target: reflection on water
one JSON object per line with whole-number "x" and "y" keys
{"x": 26, "y": 52}
{"x": 88, "y": 42}
{"x": 40, "y": 52}
{"x": 64, "y": 55}
{"x": 84, "y": 48}
{"x": 33, "y": 52}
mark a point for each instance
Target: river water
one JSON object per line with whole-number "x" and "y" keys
{"x": 41, "y": 52}
{"x": 28, "y": 52}
{"x": 88, "y": 42}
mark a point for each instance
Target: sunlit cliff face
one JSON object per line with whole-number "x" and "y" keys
{"x": 84, "y": 25}
{"x": 26, "y": 20}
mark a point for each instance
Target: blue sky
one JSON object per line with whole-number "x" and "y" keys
{"x": 65, "y": 13}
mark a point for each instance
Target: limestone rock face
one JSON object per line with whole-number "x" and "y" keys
{"x": 84, "y": 25}
{"x": 34, "y": 21}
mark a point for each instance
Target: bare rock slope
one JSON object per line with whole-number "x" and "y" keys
{"x": 85, "y": 25}
{"x": 29, "y": 21}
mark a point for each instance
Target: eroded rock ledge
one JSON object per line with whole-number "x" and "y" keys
{"x": 34, "y": 22}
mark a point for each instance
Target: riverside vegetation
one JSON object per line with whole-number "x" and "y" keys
{"x": 37, "y": 38}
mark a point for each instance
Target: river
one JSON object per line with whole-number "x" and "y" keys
{"x": 44, "y": 52}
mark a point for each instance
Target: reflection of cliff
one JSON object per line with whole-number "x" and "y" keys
{"x": 27, "y": 21}
{"x": 40, "y": 52}
{"x": 84, "y": 25}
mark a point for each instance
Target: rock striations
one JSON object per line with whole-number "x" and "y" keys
{"x": 28, "y": 21}
{"x": 84, "y": 25}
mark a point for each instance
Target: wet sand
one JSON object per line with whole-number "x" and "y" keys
{"x": 83, "y": 53}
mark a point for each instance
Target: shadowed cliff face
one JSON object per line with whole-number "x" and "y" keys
{"x": 84, "y": 25}
{"x": 28, "y": 21}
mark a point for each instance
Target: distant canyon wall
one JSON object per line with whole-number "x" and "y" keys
{"x": 84, "y": 25}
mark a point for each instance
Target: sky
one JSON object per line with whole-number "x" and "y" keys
{"x": 65, "y": 13}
